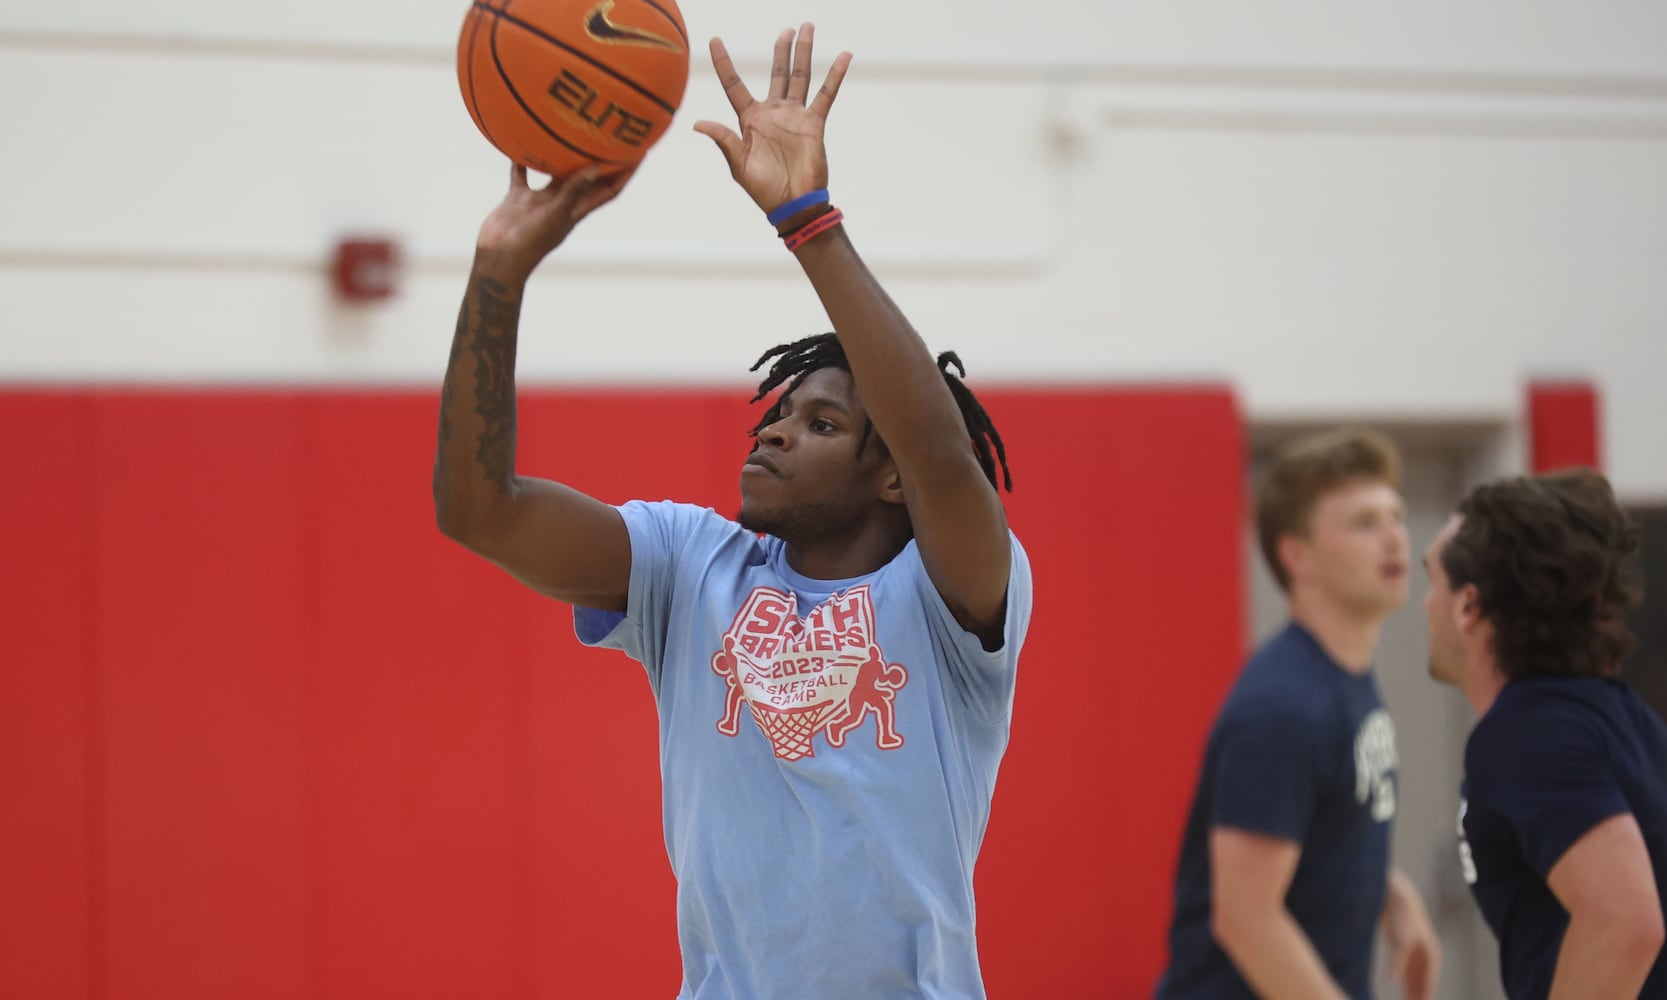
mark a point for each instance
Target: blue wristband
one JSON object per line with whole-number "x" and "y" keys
{"x": 797, "y": 205}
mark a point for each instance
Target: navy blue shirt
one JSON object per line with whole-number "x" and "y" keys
{"x": 1552, "y": 758}
{"x": 1303, "y": 751}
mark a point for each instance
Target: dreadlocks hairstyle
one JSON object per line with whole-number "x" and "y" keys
{"x": 794, "y": 362}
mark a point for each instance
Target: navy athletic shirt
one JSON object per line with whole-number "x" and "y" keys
{"x": 1302, "y": 751}
{"x": 1552, "y": 758}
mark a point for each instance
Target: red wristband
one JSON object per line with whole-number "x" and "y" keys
{"x": 815, "y": 227}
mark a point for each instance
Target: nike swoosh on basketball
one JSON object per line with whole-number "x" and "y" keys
{"x": 599, "y": 27}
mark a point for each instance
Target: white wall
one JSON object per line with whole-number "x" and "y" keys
{"x": 1396, "y": 211}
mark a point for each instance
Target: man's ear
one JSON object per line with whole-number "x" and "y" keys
{"x": 1293, "y": 553}
{"x": 1467, "y": 610}
{"x": 891, "y": 483}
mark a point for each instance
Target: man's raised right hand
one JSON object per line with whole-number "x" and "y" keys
{"x": 530, "y": 222}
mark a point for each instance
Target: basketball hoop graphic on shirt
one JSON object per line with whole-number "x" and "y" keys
{"x": 801, "y": 676}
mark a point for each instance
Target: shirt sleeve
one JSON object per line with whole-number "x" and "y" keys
{"x": 1268, "y": 771}
{"x": 1543, "y": 770}
{"x": 661, "y": 534}
{"x": 983, "y": 678}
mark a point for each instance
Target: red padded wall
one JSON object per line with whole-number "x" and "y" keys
{"x": 49, "y": 885}
{"x": 1128, "y": 503}
{"x": 203, "y": 647}
{"x": 1564, "y": 427}
{"x": 420, "y": 773}
{"x": 275, "y": 737}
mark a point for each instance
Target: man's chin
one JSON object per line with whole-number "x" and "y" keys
{"x": 759, "y": 522}
{"x": 1384, "y": 602}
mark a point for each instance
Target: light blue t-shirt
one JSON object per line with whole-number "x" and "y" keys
{"x": 828, "y": 750}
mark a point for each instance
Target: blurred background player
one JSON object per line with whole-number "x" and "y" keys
{"x": 1284, "y": 872}
{"x": 1564, "y": 812}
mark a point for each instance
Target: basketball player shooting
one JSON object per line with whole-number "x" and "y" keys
{"x": 865, "y": 609}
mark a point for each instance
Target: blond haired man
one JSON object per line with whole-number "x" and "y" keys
{"x": 1284, "y": 871}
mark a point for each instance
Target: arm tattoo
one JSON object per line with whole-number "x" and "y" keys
{"x": 493, "y": 347}
{"x": 445, "y": 392}
{"x": 442, "y": 469}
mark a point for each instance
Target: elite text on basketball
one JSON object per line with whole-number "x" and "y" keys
{"x": 580, "y": 98}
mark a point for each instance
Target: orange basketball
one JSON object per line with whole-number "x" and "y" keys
{"x": 557, "y": 85}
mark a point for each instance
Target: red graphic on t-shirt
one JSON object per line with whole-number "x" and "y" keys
{"x": 800, "y": 676}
